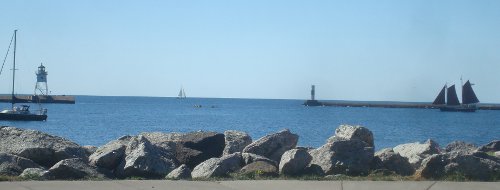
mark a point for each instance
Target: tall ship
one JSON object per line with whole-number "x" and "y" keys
{"x": 22, "y": 112}
{"x": 448, "y": 101}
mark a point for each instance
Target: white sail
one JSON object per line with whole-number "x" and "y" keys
{"x": 182, "y": 94}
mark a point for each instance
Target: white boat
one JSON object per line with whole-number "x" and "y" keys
{"x": 20, "y": 113}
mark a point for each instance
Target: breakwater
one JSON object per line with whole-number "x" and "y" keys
{"x": 422, "y": 105}
{"x": 202, "y": 155}
{"x": 54, "y": 99}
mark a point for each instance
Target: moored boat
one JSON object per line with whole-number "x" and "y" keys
{"x": 21, "y": 113}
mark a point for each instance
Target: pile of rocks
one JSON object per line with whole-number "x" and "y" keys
{"x": 350, "y": 151}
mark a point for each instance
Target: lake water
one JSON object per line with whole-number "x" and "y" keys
{"x": 95, "y": 120}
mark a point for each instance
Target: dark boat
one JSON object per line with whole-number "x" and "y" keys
{"x": 21, "y": 113}
{"x": 447, "y": 99}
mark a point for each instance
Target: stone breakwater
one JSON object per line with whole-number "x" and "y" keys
{"x": 37, "y": 155}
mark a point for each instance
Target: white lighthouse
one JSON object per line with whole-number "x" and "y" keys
{"x": 41, "y": 87}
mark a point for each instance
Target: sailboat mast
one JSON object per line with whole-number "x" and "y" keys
{"x": 14, "y": 70}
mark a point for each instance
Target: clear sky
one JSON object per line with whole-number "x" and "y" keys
{"x": 352, "y": 50}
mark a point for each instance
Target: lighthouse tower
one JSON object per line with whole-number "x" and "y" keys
{"x": 313, "y": 92}
{"x": 41, "y": 87}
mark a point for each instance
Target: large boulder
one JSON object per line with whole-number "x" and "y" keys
{"x": 235, "y": 141}
{"x": 42, "y": 148}
{"x": 142, "y": 159}
{"x": 182, "y": 172}
{"x": 394, "y": 162}
{"x": 350, "y": 132}
{"x": 493, "y": 146}
{"x": 89, "y": 149}
{"x": 190, "y": 148}
{"x": 76, "y": 168}
{"x": 461, "y": 147}
{"x": 260, "y": 168}
{"x": 351, "y": 157}
{"x": 249, "y": 158}
{"x": 416, "y": 152}
{"x": 475, "y": 166}
{"x": 34, "y": 174}
{"x": 217, "y": 167}
{"x": 274, "y": 145}
{"x": 294, "y": 162}
{"x": 13, "y": 165}
{"x": 110, "y": 155}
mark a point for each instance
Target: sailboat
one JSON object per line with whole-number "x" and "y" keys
{"x": 452, "y": 104}
{"x": 20, "y": 113}
{"x": 182, "y": 94}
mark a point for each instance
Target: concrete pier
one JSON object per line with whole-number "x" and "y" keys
{"x": 54, "y": 99}
{"x": 422, "y": 105}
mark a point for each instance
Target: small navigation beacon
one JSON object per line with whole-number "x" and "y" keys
{"x": 41, "y": 87}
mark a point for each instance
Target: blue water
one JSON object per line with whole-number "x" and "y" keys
{"x": 95, "y": 120}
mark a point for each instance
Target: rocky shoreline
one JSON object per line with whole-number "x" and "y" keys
{"x": 33, "y": 154}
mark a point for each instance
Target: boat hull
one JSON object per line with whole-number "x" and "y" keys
{"x": 458, "y": 109}
{"x": 22, "y": 117}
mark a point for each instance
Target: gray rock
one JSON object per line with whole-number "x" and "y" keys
{"x": 34, "y": 174}
{"x": 305, "y": 148}
{"x": 294, "y": 162}
{"x": 351, "y": 157}
{"x": 416, "y": 152}
{"x": 41, "y": 148}
{"x": 274, "y": 145}
{"x": 260, "y": 168}
{"x": 162, "y": 140}
{"x": 181, "y": 172}
{"x": 497, "y": 154}
{"x": 142, "y": 159}
{"x": 89, "y": 149}
{"x": 110, "y": 155}
{"x": 475, "y": 166}
{"x": 217, "y": 167}
{"x": 249, "y": 158}
{"x": 350, "y": 132}
{"x": 76, "y": 168}
{"x": 394, "y": 162}
{"x": 13, "y": 165}
{"x": 493, "y": 146}
{"x": 190, "y": 148}
{"x": 313, "y": 170}
{"x": 460, "y": 146}
{"x": 236, "y": 141}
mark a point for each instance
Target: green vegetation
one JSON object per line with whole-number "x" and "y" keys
{"x": 259, "y": 175}
{"x": 34, "y": 177}
{"x": 9, "y": 178}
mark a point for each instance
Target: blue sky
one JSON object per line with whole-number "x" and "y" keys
{"x": 352, "y": 50}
